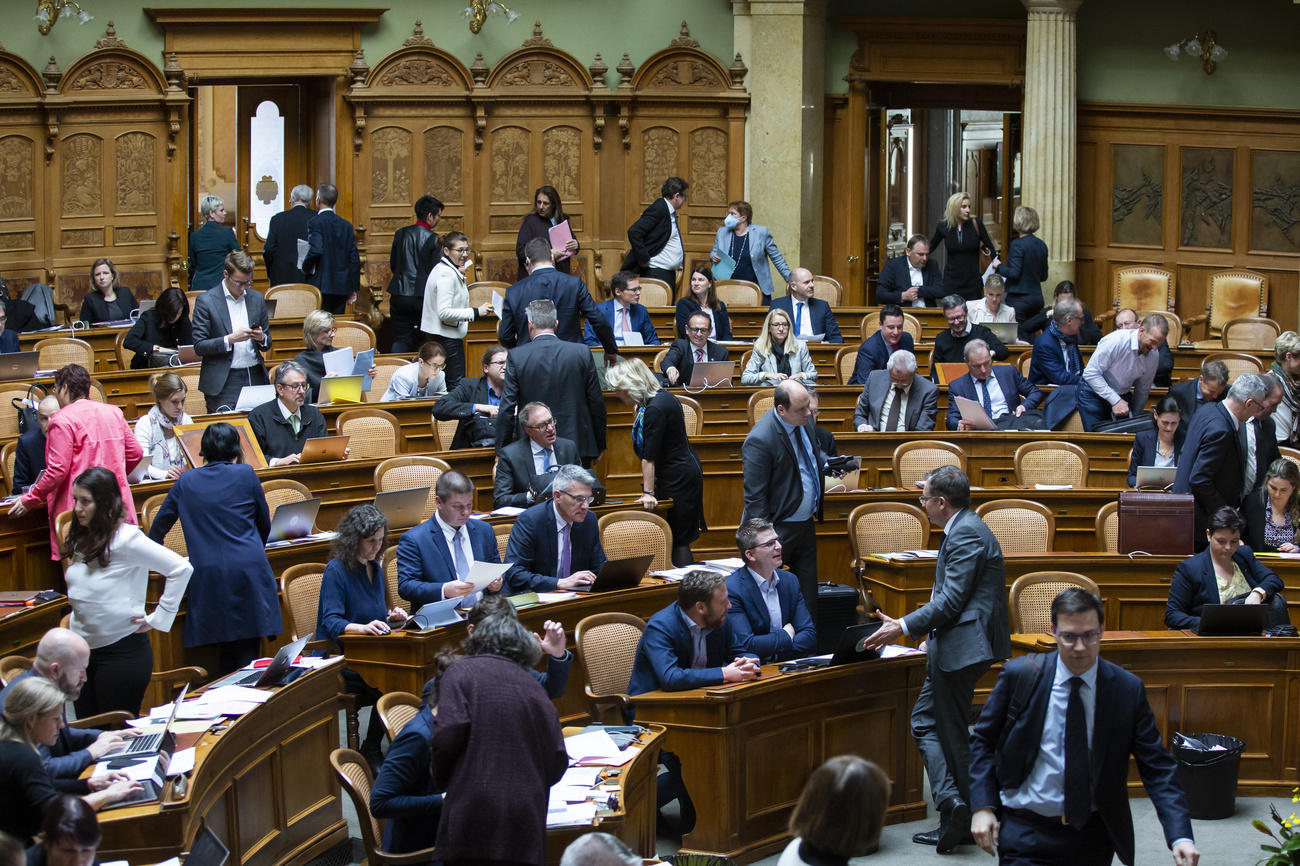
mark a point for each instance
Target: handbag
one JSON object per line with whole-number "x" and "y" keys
{"x": 28, "y": 419}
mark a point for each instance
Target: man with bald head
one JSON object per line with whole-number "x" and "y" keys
{"x": 808, "y": 315}
{"x": 29, "y": 453}
{"x": 61, "y": 658}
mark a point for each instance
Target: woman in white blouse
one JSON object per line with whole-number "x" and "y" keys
{"x": 778, "y": 354}
{"x": 154, "y": 431}
{"x": 447, "y": 312}
{"x": 108, "y": 576}
{"x": 991, "y": 308}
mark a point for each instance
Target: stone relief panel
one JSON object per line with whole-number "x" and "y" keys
{"x": 17, "y": 161}
{"x": 390, "y": 166}
{"x": 135, "y": 179}
{"x": 443, "y": 146}
{"x": 82, "y": 175}
{"x": 1207, "y": 197}
{"x": 561, "y": 161}
{"x": 510, "y": 164}
{"x": 708, "y": 149}
{"x": 659, "y": 145}
{"x": 1137, "y": 193}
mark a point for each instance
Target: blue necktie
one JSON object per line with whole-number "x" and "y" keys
{"x": 805, "y": 458}
{"x": 458, "y": 554}
{"x": 546, "y": 460}
{"x": 988, "y": 403}
{"x": 798, "y": 318}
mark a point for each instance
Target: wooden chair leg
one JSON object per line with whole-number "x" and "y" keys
{"x": 354, "y": 721}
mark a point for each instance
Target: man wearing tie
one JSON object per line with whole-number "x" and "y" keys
{"x": 625, "y": 314}
{"x": 679, "y": 364}
{"x": 433, "y": 559}
{"x": 1259, "y": 439}
{"x": 808, "y": 315}
{"x": 1056, "y": 359}
{"x": 555, "y": 544}
{"x": 1001, "y": 390}
{"x": 903, "y": 399}
{"x": 535, "y": 455}
{"x": 912, "y": 279}
{"x": 656, "y": 237}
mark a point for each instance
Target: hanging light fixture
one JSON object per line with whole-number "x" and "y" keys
{"x": 478, "y": 10}
{"x": 1202, "y": 45}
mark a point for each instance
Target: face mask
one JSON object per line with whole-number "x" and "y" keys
{"x": 731, "y": 221}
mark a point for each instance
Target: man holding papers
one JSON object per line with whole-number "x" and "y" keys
{"x": 434, "y": 559}
{"x": 630, "y": 321}
{"x": 1001, "y": 390}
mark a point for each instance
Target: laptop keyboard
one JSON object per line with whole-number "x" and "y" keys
{"x": 144, "y": 743}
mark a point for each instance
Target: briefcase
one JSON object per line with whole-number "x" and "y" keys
{"x": 1158, "y": 523}
{"x": 837, "y": 609}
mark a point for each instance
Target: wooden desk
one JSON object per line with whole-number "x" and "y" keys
{"x": 21, "y": 628}
{"x": 747, "y": 749}
{"x": 1202, "y": 685}
{"x": 264, "y": 786}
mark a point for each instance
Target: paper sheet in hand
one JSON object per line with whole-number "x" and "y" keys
{"x": 483, "y": 573}
{"x": 498, "y": 302}
{"x": 365, "y": 360}
{"x": 339, "y": 362}
{"x": 182, "y": 762}
{"x": 560, "y": 235}
{"x": 973, "y": 413}
{"x": 724, "y": 267}
{"x": 303, "y": 249}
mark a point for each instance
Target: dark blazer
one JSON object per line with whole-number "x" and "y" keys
{"x": 281, "y": 250}
{"x": 1210, "y": 466}
{"x": 948, "y": 349}
{"x": 409, "y": 260}
{"x": 1013, "y": 386}
{"x": 751, "y": 627}
{"x": 1144, "y": 451}
{"x": 562, "y": 375}
{"x": 333, "y": 263}
{"x": 9, "y": 342}
{"x": 148, "y": 332}
{"x": 1194, "y": 586}
{"x": 640, "y": 323}
{"x": 212, "y": 324}
{"x": 532, "y": 227}
{"x": 424, "y": 560}
{"x": 459, "y": 404}
{"x": 25, "y": 788}
{"x": 681, "y": 354}
{"x": 312, "y": 362}
{"x": 649, "y": 234}
{"x": 666, "y": 649}
{"x": 773, "y": 485}
{"x": 1188, "y": 395}
{"x": 209, "y": 244}
{"x": 29, "y": 459}
{"x": 1025, "y": 267}
{"x": 404, "y": 793}
{"x": 276, "y": 436}
{"x": 349, "y": 595}
{"x": 896, "y": 278}
{"x": 874, "y": 354}
{"x": 1122, "y": 726}
{"x": 571, "y": 301}
{"x": 961, "y": 271}
{"x": 534, "y": 550}
{"x": 64, "y": 760}
{"x": 823, "y": 318}
{"x": 922, "y": 402}
{"x": 94, "y": 309}
{"x": 514, "y": 475}
{"x": 1266, "y": 451}
{"x": 1047, "y": 364}
{"x": 1089, "y": 333}
{"x": 687, "y": 307}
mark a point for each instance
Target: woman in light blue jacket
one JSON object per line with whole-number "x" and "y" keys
{"x": 750, "y": 246}
{"x": 778, "y": 355}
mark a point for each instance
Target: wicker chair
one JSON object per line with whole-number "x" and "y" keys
{"x": 655, "y": 292}
{"x": 884, "y": 527}
{"x": 1019, "y": 525}
{"x": 1030, "y": 600}
{"x": 384, "y": 370}
{"x": 693, "y": 415}
{"x": 1144, "y": 287}
{"x": 502, "y": 532}
{"x": 354, "y": 775}
{"x": 358, "y": 335}
{"x": 9, "y": 416}
{"x": 371, "y": 433}
{"x": 300, "y": 589}
{"x": 390, "y": 581}
{"x": 120, "y": 352}
{"x": 407, "y": 471}
{"x": 1051, "y": 463}
{"x": 196, "y": 403}
{"x": 845, "y": 360}
{"x": 738, "y": 293}
{"x": 1292, "y": 454}
{"x": 292, "y": 300}
{"x": 12, "y": 666}
{"x": 607, "y": 646}
{"x": 913, "y": 459}
{"x": 1022, "y": 363}
{"x": 444, "y": 433}
{"x": 55, "y": 352}
{"x": 480, "y": 293}
{"x": 395, "y": 710}
{"x": 1237, "y": 362}
{"x": 1250, "y": 333}
{"x": 828, "y": 289}
{"x": 1107, "y": 528}
{"x": 8, "y": 456}
{"x": 760, "y": 402}
{"x": 281, "y": 491}
{"x": 175, "y": 539}
{"x": 633, "y": 533}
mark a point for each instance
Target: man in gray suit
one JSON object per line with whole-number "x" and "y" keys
{"x": 231, "y": 334}
{"x": 966, "y": 628}
{"x": 896, "y": 399}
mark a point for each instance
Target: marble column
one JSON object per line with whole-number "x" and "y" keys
{"x": 1049, "y": 160}
{"x": 783, "y": 44}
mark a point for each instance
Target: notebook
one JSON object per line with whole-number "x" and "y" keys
{"x": 323, "y": 449}
{"x": 1156, "y": 477}
{"x": 208, "y": 850}
{"x": 252, "y": 396}
{"x": 293, "y": 520}
{"x": 1004, "y": 331}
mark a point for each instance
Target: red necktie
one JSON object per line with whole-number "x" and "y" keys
{"x": 699, "y": 355}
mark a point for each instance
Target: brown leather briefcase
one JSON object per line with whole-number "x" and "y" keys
{"x": 1159, "y": 523}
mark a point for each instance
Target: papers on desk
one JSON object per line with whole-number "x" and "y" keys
{"x": 342, "y": 362}
{"x": 506, "y": 511}
{"x": 483, "y": 573}
{"x": 137, "y": 769}
{"x": 561, "y": 595}
{"x": 629, "y": 338}
{"x": 182, "y": 762}
{"x": 728, "y": 565}
{"x": 894, "y": 651}
{"x": 243, "y": 694}
{"x": 909, "y": 554}
{"x": 596, "y": 747}
{"x": 562, "y": 814}
{"x": 973, "y": 414}
{"x": 325, "y": 535}
{"x": 583, "y": 777}
{"x": 1053, "y": 486}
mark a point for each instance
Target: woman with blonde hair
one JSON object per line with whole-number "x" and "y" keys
{"x": 108, "y": 300}
{"x": 1026, "y": 265}
{"x": 963, "y": 237}
{"x": 318, "y": 336}
{"x": 155, "y": 429}
{"x": 778, "y": 355}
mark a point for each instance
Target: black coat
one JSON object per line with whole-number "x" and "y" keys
{"x": 961, "y": 272}
{"x": 459, "y": 405}
{"x": 572, "y": 303}
{"x": 681, "y": 354}
{"x": 410, "y": 260}
{"x": 687, "y": 307}
{"x": 563, "y": 376}
{"x": 281, "y": 250}
{"x": 515, "y": 473}
{"x": 29, "y": 459}
{"x": 94, "y": 309}
{"x": 276, "y": 436}
{"x": 148, "y": 332}
{"x": 209, "y": 244}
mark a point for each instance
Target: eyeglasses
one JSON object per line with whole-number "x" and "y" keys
{"x": 243, "y": 284}
{"x": 500, "y": 363}
{"x": 459, "y": 250}
{"x": 579, "y": 500}
{"x": 542, "y": 425}
{"x": 698, "y": 330}
{"x": 925, "y": 499}
{"x": 295, "y": 386}
{"x": 766, "y": 544}
{"x": 780, "y": 325}
{"x": 434, "y": 365}
{"x": 1070, "y": 639}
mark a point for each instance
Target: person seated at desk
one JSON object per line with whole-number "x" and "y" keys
{"x": 624, "y": 313}
{"x": 1002, "y": 391}
{"x": 1056, "y": 359}
{"x": 767, "y": 614}
{"x": 318, "y": 335}
{"x": 913, "y": 279}
{"x": 537, "y": 454}
{"x": 423, "y": 377}
{"x": 282, "y": 425}
{"x": 950, "y": 345}
{"x": 778, "y": 354}
{"x": 155, "y": 429}
{"x": 1161, "y": 445}
{"x": 70, "y": 834}
{"x": 811, "y": 316}
{"x": 1089, "y": 333}
{"x": 29, "y": 453}
{"x": 1211, "y": 386}
{"x": 559, "y": 661}
{"x": 160, "y": 331}
{"x": 1272, "y": 513}
{"x": 839, "y": 814}
{"x": 896, "y": 399}
{"x": 8, "y": 338}
{"x": 876, "y": 350}
{"x": 702, "y": 297}
{"x": 679, "y": 364}
{"x": 109, "y": 300}
{"x": 434, "y": 558}
{"x": 990, "y": 308}
{"x": 474, "y": 402}
{"x": 555, "y": 544}
{"x": 1223, "y": 573}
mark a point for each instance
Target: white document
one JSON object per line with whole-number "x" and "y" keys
{"x": 729, "y": 565}
{"x": 578, "y": 776}
{"x": 145, "y": 767}
{"x": 483, "y": 573}
{"x": 562, "y": 595}
{"x": 498, "y": 302}
{"x": 340, "y": 362}
{"x": 593, "y": 745}
{"x": 814, "y": 338}
{"x": 303, "y": 249}
{"x": 506, "y": 511}
{"x": 241, "y": 694}
{"x": 973, "y": 414}
{"x": 631, "y": 338}
{"x": 566, "y": 815}
{"x": 182, "y": 762}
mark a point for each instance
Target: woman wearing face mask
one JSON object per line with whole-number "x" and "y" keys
{"x": 749, "y": 246}
{"x": 109, "y": 300}
{"x": 154, "y": 431}
{"x": 547, "y": 212}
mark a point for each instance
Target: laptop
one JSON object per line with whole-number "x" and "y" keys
{"x": 339, "y": 389}
{"x": 159, "y": 741}
{"x": 252, "y": 396}
{"x": 403, "y": 508}
{"x": 850, "y": 647}
{"x": 323, "y": 449}
{"x": 207, "y": 850}
{"x": 18, "y": 365}
{"x": 186, "y": 355}
{"x": 273, "y": 674}
{"x": 435, "y": 614}
{"x": 620, "y": 574}
{"x": 712, "y": 374}
{"x": 1225, "y": 620}
{"x": 293, "y": 520}
{"x": 1004, "y": 331}
{"x": 1156, "y": 477}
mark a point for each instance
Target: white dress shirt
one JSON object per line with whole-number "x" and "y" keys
{"x": 242, "y": 354}
{"x": 917, "y": 280}
{"x": 799, "y": 311}
{"x": 1043, "y": 790}
{"x": 996, "y": 397}
{"x": 449, "y": 534}
{"x": 670, "y": 258}
{"x": 1116, "y": 367}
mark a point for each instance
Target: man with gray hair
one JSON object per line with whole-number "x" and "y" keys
{"x": 282, "y": 425}
{"x": 1212, "y": 463}
{"x": 1002, "y": 391}
{"x": 1056, "y": 359}
{"x": 280, "y": 252}
{"x": 1259, "y": 439}
{"x": 1119, "y": 374}
{"x": 599, "y": 849}
{"x": 895, "y": 399}
{"x": 1209, "y": 387}
{"x": 555, "y": 544}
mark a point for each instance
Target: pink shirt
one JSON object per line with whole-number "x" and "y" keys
{"x": 81, "y": 435}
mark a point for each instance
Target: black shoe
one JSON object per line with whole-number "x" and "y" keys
{"x": 954, "y": 825}
{"x": 929, "y": 837}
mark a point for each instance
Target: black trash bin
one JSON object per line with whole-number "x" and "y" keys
{"x": 1209, "y": 778}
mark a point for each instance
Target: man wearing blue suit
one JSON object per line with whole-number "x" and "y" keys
{"x": 1056, "y": 359}
{"x": 808, "y": 315}
{"x": 434, "y": 558}
{"x": 913, "y": 279}
{"x": 1002, "y": 391}
{"x": 555, "y": 544}
{"x": 332, "y": 263}
{"x": 624, "y": 313}
{"x": 1049, "y": 779}
{"x": 767, "y": 613}
{"x": 875, "y": 350}
{"x": 568, "y": 292}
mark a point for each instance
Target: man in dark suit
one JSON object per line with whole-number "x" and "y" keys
{"x": 679, "y": 364}
{"x": 1043, "y": 789}
{"x": 912, "y": 279}
{"x": 1089, "y": 333}
{"x": 875, "y": 350}
{"x": 563, "y": 373}
{"x": 950, "y": 345}
{"x": 29, "y": 453}
{"x": 624, "y": 313}
{"x": 767, "y": 615}
{"x": 1002, "y": 391}
{"x": 1209, "y": 387}
{"x": 284, "y": 424}
{"x": 539, "y": 452}
{"x": 783, "y": 480}
{"x": 967, "y": 629}
{"x": 280, "y": 253}
{"x": 434, "y": 558}
{"x": 555, "y": 544}
{"x": 475, "y": 402}
{"x": 568, "y": 293}
{"x": 1056, "y": 359}
{"x": 656, "y": 237}
{"x": 410, "y": 260}
{"x": 808, "y": 315}
{"x": 333, "y": 263}
{"x": 231, "y": 334}
{"x": 896, "y": 399}
{"x": 1258, "y": 437}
